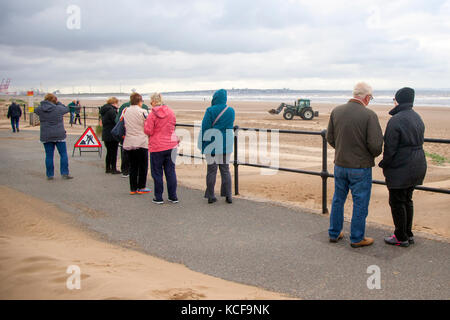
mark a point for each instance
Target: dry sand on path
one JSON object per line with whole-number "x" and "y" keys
{"x": 38, "y": 242}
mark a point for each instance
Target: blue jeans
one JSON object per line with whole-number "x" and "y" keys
{"x": 15, "y": 124}
{"x": 64, "y": 160}
{"x": 162, "y": 162}
{"x": 72, "y": 116}
{"x": 359, "y": 181}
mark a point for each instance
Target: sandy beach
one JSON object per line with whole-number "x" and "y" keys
{"x": 38, "y": 242}
{"x": 33, "y": 240}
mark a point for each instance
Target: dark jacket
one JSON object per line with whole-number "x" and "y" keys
{"x": 72, "y": 106}
{"x": 108, "y": 113}
{"x": 52, "y": 123}
{"x": 224, "y": 124}
{"x": 404, "y": 164}
{"x": 355, "y": 133}
{"x": 14, "y": 111}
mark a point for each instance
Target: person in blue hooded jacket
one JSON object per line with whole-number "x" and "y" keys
{"x": 216, "y": 142}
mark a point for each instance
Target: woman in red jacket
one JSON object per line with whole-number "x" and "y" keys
{"x": 160, "y": 127}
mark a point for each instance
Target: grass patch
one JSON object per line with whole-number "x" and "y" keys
{"x": 437, "y": 158}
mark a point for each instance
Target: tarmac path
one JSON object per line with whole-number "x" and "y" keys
{"x": 260, "y": 244}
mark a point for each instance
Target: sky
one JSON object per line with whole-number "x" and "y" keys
{"x": 177, "y": 45}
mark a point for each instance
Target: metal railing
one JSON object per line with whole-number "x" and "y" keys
{"x": 324, "y": 174}
{"x": 84, "y": 111}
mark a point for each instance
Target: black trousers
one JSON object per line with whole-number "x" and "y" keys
{"x": 125, "y": 161}
{"x": 138, "y": 168}
{"x": 111, "y": 155}
{"x": 402, "y": 210}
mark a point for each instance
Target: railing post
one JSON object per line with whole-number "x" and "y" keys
{"x": 24, "y": 113}
{"x": 84, "y": 116}
{"x": 236, "y": 163}
{"x": 324, "y": 173}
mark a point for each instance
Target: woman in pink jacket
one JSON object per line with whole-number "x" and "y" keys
{"x": 160, "y": 127}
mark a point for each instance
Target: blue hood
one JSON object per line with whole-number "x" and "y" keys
{"x": 219, "y": 97}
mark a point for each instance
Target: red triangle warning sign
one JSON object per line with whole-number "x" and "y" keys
{"x": 88, "y": 140}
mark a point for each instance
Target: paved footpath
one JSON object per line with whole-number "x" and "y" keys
{"x": 259, "y": 244}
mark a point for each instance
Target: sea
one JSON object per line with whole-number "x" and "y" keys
{"x": 425, "y": 97}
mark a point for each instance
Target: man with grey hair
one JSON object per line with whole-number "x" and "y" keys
{"x": 355, "y": 133}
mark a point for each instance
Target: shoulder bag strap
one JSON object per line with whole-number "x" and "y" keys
{"x": 220, "y": 114}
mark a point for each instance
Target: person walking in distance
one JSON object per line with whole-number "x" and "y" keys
{"x": 14, "y": 112}
{"x": 355, "y": 133}
{"x": 404, "y": 164}
{"x": 72, "y": 106}
{"x": 77, "y": 112}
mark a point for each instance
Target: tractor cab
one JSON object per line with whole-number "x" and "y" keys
{"x": 302, "y": 103}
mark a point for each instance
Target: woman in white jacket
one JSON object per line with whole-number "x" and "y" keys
{"x": 136, "y": 144}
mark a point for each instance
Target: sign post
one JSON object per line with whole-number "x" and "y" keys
{"x": 88, "y": 141}
{"x": 30, "y": 95}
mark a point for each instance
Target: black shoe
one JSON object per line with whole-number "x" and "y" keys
{"x": 157, "y": 201}
{"x": 108, "y": 171}
{"x": 115, "y": 172}
{"x": 175, "y": 200}
{"x": 212, "y": 200}
{"x": 411, "y": 240}
{"x": 66, "y": 177}
{"x": 229, "y": 200}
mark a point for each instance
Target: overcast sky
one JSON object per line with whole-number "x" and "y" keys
{"x": 207, "y": 44}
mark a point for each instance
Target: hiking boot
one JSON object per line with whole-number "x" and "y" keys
{"x": 363, "y": 243}
{"x": 341, "y": 236}
{"x": 66, "y": 177}
{"x": 395, "y": 242}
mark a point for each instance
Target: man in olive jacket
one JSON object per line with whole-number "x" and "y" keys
{"x": 355, "y": 133}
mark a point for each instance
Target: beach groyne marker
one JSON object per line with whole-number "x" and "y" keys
{"x": 88, "y": 141}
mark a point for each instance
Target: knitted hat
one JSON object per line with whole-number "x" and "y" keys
{"x": 405, "y": 95}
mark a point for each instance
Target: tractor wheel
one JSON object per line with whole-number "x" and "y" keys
{"x": 288, "y": 115}
{"x": 308, "y": 114}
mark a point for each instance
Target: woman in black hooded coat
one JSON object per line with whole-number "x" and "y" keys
{"x": 108, "y": 113}
{"x": 404, "y": 164}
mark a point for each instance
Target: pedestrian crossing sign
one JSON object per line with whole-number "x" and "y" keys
{"x": 88, "y": 140}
